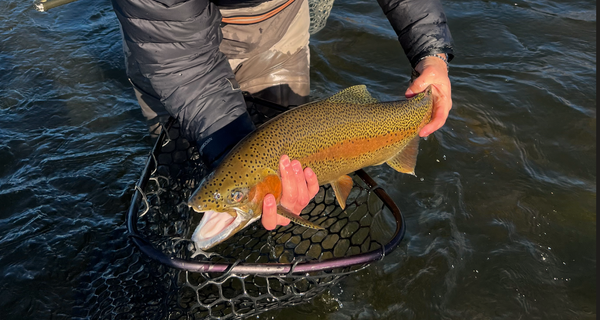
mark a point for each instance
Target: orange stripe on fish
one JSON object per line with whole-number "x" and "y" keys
{"x": 353, "y": 148}
{"x": 334, "y": 137}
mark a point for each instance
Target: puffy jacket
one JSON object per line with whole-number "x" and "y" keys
{"x": 421, "y": 27}
{"x": 174, "y": 57}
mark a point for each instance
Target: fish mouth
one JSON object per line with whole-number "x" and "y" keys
{"x": 216, "y": 227}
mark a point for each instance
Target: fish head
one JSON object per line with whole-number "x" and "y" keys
{"x": 229, "y": 203}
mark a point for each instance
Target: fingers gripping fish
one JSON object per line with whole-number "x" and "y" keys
{"x": 334, "y": 137}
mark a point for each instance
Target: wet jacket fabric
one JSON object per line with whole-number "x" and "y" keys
{"x": 174, "y": 56}
{"x": 421, "y": 27}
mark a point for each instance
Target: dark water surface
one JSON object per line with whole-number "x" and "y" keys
{"x": 501, "y": 220}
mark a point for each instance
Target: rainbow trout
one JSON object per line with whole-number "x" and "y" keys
{"x": 334, "y": 137}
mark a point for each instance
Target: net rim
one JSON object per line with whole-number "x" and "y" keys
{"x": 257, "y": 268}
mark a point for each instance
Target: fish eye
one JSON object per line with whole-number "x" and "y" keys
{"x": 217, "y": 196}
{"x": 237, "y": 195}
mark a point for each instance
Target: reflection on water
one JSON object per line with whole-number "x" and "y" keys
{"x": 500, "y": 219}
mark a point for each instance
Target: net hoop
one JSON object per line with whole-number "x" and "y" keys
{"x": 250, "y": 268}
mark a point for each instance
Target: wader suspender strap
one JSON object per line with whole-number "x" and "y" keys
{"x": 257, "y": 18}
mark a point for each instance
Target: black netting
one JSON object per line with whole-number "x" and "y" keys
{"x": 255, "y": 270}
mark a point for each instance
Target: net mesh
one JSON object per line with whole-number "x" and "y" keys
{"x": 319, "y": 12}
{"x": 163, "y": 221}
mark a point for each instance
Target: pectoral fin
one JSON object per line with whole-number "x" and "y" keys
{"x": 342, "y": 188}
{"x": 406, "y": 160}
{"x": 297, "y": 219}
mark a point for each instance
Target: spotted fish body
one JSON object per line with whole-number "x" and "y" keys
{"x": 334, "y": 137}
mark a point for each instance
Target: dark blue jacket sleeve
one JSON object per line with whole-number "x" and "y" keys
{"x": 174, "y": 56}
{"x": 421, "y": 27}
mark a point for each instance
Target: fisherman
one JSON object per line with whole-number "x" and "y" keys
{"x": 191, "y": 59}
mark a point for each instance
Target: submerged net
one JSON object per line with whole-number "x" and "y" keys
{"x": 255, "y": 270}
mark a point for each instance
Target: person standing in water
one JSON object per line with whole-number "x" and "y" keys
{"x": 191, "y": 59}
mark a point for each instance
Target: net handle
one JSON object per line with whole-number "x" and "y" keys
{"x": 45, "y": 5}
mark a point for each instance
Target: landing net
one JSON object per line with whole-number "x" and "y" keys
{"x": 255, "y": 270}
{"x": 319, "y": 12}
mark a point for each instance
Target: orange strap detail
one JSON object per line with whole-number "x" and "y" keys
{"x": 258, "y": 18}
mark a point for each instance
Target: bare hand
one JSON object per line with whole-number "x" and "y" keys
{"x": 298, "y": 188}
{"x": 433, "y": 71}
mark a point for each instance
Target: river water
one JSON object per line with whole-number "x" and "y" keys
{"x": 501, "y": 218}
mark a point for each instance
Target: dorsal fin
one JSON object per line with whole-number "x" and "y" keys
{"x": 355, "y": 94}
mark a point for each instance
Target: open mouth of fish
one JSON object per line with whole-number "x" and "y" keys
{"x": 216, "y": 226}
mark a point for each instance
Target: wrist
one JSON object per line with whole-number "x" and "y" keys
{"x": 434, "y": 57}
{"x": 436, "y": 60}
